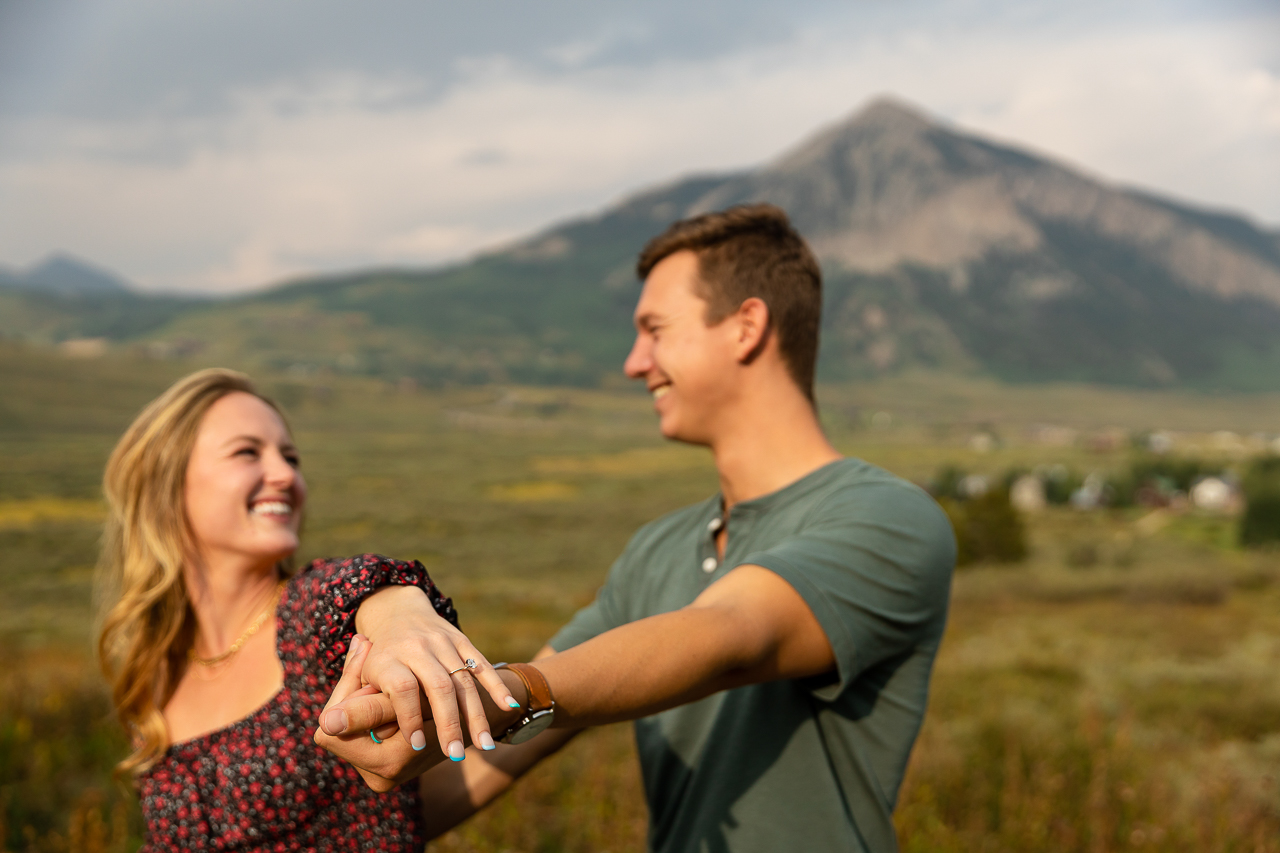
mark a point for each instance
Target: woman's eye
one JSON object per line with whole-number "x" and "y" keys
{"x": 292, "y": 459}
{"x": 251, "y": 452}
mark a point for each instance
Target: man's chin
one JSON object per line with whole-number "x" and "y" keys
{"x": 672, "y": 431}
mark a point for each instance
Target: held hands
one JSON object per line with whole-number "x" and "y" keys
{"x": 409, "y": 649}
{"x": 382, "y": 765}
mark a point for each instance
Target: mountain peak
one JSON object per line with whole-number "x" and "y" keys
{"x": 886, "y": 122}
{"x": 889, "y": 113}
{"x": 63, "y": 274}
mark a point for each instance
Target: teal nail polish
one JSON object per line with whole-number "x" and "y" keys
{"x": 513, "y": 704}
{"x": 375, "y": 737}
{"x": 459, "y": 758}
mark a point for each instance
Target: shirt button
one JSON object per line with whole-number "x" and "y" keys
{"x": 709, "y": 565}
{"x": 715, "y": 524}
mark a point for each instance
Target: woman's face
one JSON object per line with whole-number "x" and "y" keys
{"x": 244, "y": 493}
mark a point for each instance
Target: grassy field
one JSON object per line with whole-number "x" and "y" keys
{"x": 1124, "y": 701}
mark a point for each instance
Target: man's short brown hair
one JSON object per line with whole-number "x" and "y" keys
{"x": 748, "y": 251}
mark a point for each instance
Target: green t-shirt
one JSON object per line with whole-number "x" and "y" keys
{"x": 810, "y": 764}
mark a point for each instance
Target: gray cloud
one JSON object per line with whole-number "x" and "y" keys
{"x": 223, "y": 145}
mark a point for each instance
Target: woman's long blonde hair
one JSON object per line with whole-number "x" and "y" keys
{"x": 145, "y": 614}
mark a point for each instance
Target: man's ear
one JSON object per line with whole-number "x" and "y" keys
{"x": 753, "y": 329}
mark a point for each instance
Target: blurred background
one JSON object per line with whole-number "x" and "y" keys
{"x": 1051, "y": 241}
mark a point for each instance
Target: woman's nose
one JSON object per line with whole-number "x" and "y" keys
{"x": 278, "y": 470}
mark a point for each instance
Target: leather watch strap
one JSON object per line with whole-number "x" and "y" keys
{"x": 535, "y": 683}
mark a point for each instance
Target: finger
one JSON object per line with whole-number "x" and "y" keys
{"x": 477, "y": 721}
{"x": 387, "y": 731}
{"x": 487, "y": 676}
{"x": 364, "y": 711}
{"x": 357, "y": 650}
{"x": 352, "y": 668}
{"x": 443, "y": 695}
{"x": 400, "y": 684}
{"x": 383, "y": 732}
{"x": 468, "y": 699}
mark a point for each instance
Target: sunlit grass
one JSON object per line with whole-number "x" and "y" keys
{"x": 25, "y": 513}
{"x": 1115, "y": 691}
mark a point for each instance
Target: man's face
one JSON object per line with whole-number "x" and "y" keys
{"x": 688, "y": 366}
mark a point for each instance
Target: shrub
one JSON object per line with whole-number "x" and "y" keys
{"x": 988, "y": 529}
{"x": 1260, "y": 523}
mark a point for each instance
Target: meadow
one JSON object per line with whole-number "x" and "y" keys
{"x": 1125, "y": 699}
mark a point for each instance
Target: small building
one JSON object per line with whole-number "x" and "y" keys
{"x": 1027, "y": 494}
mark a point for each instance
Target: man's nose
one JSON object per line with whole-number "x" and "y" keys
{"x": 639, "y": 361}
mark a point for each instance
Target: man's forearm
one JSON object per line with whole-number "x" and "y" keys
{"x": 750, "y": 627}
{"x": 648, "y": 666}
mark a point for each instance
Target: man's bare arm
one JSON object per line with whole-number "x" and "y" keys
{"x": 749, "y": 627}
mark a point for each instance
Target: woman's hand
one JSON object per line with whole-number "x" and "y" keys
{"x": 381, "y": 765}
{"x": 412, "y": 646}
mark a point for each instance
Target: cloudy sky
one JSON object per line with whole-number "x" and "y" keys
{"x": 221, "y": 145}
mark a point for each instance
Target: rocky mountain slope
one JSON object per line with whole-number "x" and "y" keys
{"x": 941, "y": 250}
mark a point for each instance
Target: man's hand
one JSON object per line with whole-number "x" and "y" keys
{"x": 412, "y": 647}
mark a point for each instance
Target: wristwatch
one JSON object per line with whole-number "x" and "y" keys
{"x": 542, "y": 708}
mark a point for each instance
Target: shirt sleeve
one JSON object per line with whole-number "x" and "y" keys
{"x": 339, "y": 588}
{"x": 874, "y": 565}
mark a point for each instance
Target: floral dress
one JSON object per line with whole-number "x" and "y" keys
{"x": 261, "y": 783}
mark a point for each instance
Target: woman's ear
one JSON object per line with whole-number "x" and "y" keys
{"x": 753, "y": 329}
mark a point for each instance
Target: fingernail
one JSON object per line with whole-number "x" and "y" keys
{"x": 456, "y": 751}
{"x": 334, "y": 722}
{"x": 512, "y": 703}
{"x": 418, "y": 741}
{"x": 354, "y": 646}
{"x": 486, "y": 741}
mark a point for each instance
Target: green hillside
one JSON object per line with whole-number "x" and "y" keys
{"x": 941, "y": 251}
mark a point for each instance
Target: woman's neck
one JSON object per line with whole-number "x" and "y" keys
{"x": 227, "y": 594}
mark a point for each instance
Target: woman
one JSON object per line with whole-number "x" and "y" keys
{"x": 221, "y": 699}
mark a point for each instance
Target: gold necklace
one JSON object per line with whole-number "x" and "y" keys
{"x": 243, "y": 638}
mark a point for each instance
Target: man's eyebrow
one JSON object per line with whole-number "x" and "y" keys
{"x": 645, "y": 320}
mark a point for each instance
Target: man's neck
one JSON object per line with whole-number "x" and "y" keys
{"x": 770, "y": 442}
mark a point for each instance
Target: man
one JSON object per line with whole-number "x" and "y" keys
{"x": 774, "y": 642}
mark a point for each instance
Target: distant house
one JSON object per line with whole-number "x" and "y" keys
{"x": 1213, "y": 494}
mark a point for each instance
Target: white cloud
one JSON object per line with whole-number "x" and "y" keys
{"x": 351, "y": 169}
